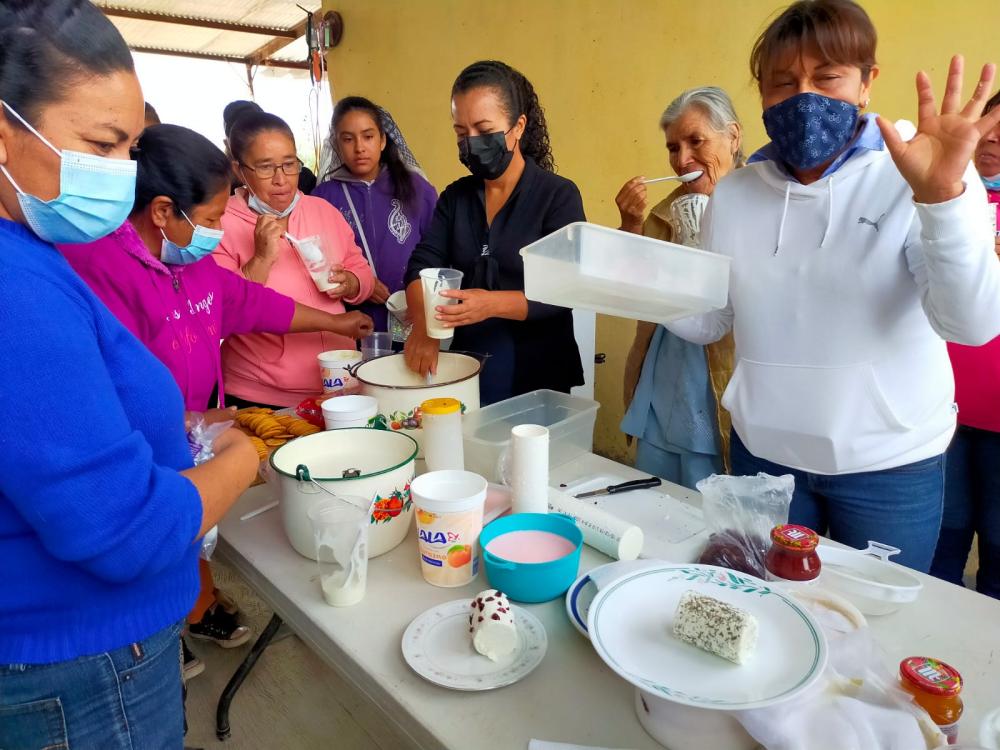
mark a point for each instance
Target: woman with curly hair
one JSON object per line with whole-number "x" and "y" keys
{"x": 512, "y": 198}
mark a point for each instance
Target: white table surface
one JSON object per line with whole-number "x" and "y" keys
{"x": 572, "y": 696}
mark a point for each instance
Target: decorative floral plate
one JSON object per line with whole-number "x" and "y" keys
{"x": 630, "y": 623}
{"x": 438, "y": 647}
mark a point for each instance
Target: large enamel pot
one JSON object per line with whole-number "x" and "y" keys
{"x": 400, "y": 391}
{"x": 356, "y": 462}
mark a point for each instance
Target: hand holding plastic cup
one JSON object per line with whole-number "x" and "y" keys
{"x": 340, "y": 531}
{"x": 435, "y": 281}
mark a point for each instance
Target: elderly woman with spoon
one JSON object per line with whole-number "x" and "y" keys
{"x": 673, "y": 387}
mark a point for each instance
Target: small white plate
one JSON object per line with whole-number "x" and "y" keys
{"x": 438, "y": 647}
{"x": 631, "y": 620}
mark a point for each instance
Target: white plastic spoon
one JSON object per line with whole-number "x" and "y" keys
{"x": 689, "y": 177}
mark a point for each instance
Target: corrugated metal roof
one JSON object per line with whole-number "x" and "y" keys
{"x": 272, "y": 18}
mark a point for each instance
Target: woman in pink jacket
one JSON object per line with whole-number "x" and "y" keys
{"x": 263, "y": 368}
{"x": 972, "y": 472}
{"x": 155, "y": 276}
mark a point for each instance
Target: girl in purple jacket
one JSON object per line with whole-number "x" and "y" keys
{"x": 376, "y": 183}
{"x": 153, "y": 273}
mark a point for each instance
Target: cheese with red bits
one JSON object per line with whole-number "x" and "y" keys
{"x": 491, "y": 623}
{"x": 716, "y": 626}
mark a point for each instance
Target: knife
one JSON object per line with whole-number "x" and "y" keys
{"x": 614, "y": 489}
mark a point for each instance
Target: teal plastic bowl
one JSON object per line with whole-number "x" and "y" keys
{"x": 532, "y": 582}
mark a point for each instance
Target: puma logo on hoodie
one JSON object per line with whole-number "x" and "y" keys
{"x": 869, "y": 222}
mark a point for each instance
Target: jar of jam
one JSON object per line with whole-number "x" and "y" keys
{"x": 936, "y": 687}
{"x": 792, "y": 556}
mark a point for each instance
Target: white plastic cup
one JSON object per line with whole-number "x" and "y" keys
{"x": 529, "y": 468}
{"x": 435, "y": 281}
{"x": 449, "y": 513}
{"x": 310, "y": 250}
{"x": 442, "y": 426}
{"x": 348, "y": 411}
{"x": 333, "y": 367}
{"x": 340, "y": 531}
{"x": 376, "y": 345}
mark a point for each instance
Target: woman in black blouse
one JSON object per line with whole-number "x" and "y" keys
{"x": 481, "y": 222}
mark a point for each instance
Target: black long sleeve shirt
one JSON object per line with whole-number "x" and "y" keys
{"x": 539, "y": 352}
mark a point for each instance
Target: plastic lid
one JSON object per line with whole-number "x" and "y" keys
{"x": 441, "y": 406}
{"x": 798, "y": 538}
{"x": 930, "y": 675}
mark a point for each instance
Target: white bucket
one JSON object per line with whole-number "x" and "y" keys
{"x": 348, "y": 411}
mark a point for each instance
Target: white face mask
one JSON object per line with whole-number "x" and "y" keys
{"x": 260, "y": 207}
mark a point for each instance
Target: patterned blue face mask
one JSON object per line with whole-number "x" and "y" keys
{"x": 203, "y": 243}
{"x": 810, "y": 129}
{"x": 95, "y": 196}
{"x": 992, "y": 183}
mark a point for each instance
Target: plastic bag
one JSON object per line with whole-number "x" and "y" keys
{"x": 740, "y": 513}
{"x": 201, "y": 437}
{"x": 857, "y": 704}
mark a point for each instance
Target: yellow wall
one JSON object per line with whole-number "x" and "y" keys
{"x": 604, "y": 71}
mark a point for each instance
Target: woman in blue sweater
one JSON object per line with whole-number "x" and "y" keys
{"x": 101, "y": 509}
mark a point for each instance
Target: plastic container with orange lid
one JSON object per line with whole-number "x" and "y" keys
{"x": 936, "y": 687}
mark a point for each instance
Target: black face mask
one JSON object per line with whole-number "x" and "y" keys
{"x": 486, "y": 156}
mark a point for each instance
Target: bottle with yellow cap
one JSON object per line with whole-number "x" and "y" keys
{"x": 442, "y": 425}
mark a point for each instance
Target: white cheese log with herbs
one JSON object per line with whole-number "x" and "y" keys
{"x": 491, "y": 624}
{"x": 716, "y": 626}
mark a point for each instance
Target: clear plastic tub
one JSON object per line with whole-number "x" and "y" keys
{"x": 590, "y": 267}
{"x": 486, "y": 432}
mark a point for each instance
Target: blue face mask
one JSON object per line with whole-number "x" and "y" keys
{"x": 992, "y": 183}
{"x": 810, "y": 129}
{"x": 203, "y": 243}
{"x": 95, "y": 196}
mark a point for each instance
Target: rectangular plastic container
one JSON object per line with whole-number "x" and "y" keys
{"x": 486, "y": 431}
{"x": 590, "y": 267}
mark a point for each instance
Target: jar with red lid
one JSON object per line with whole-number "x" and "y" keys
{"x": 936, "y": 687}
{"x": 792, "y": 557}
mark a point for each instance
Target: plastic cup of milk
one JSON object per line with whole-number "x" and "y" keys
{"x": 435, "y": 281}
{"x": 310, "y": 250}
{"x": 334, "y": 368}
{"x": 340, "y": 531}
{"x": 449, "y": 512}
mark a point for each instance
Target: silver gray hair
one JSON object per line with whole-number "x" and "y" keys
{"x": 716, "y": 105}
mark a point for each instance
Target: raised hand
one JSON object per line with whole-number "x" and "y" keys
{"x": 934, "y": 161}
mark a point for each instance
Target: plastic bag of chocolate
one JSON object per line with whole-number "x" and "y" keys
{"x": 740, "y": 513}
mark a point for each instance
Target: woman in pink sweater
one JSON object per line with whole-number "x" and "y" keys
{"x": 972, "y": 471}
{"x": 265, "y": 368}
{"x": 154, "y": 275}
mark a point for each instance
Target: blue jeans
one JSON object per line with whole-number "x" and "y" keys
{"x": 675, "y": 464}
{"x": 900, "y": 506}
{"x": 127, "y": 699}
{"x": 971, "y": 506}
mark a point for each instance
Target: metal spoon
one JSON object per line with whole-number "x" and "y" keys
{"x": 689, "y": 177}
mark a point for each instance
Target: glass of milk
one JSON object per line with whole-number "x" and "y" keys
{"x": 435, "y": 281}
{"x": 340, "y": 531}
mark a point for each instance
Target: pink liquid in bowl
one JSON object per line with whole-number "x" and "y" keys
{"x": 530, "y": 546}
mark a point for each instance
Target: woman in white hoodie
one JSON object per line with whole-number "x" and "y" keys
{"x": 858, "y": 249}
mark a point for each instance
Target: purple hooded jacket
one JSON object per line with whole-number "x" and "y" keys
{"x": 391, "y": 229}
{"x": 179, "y": 312}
